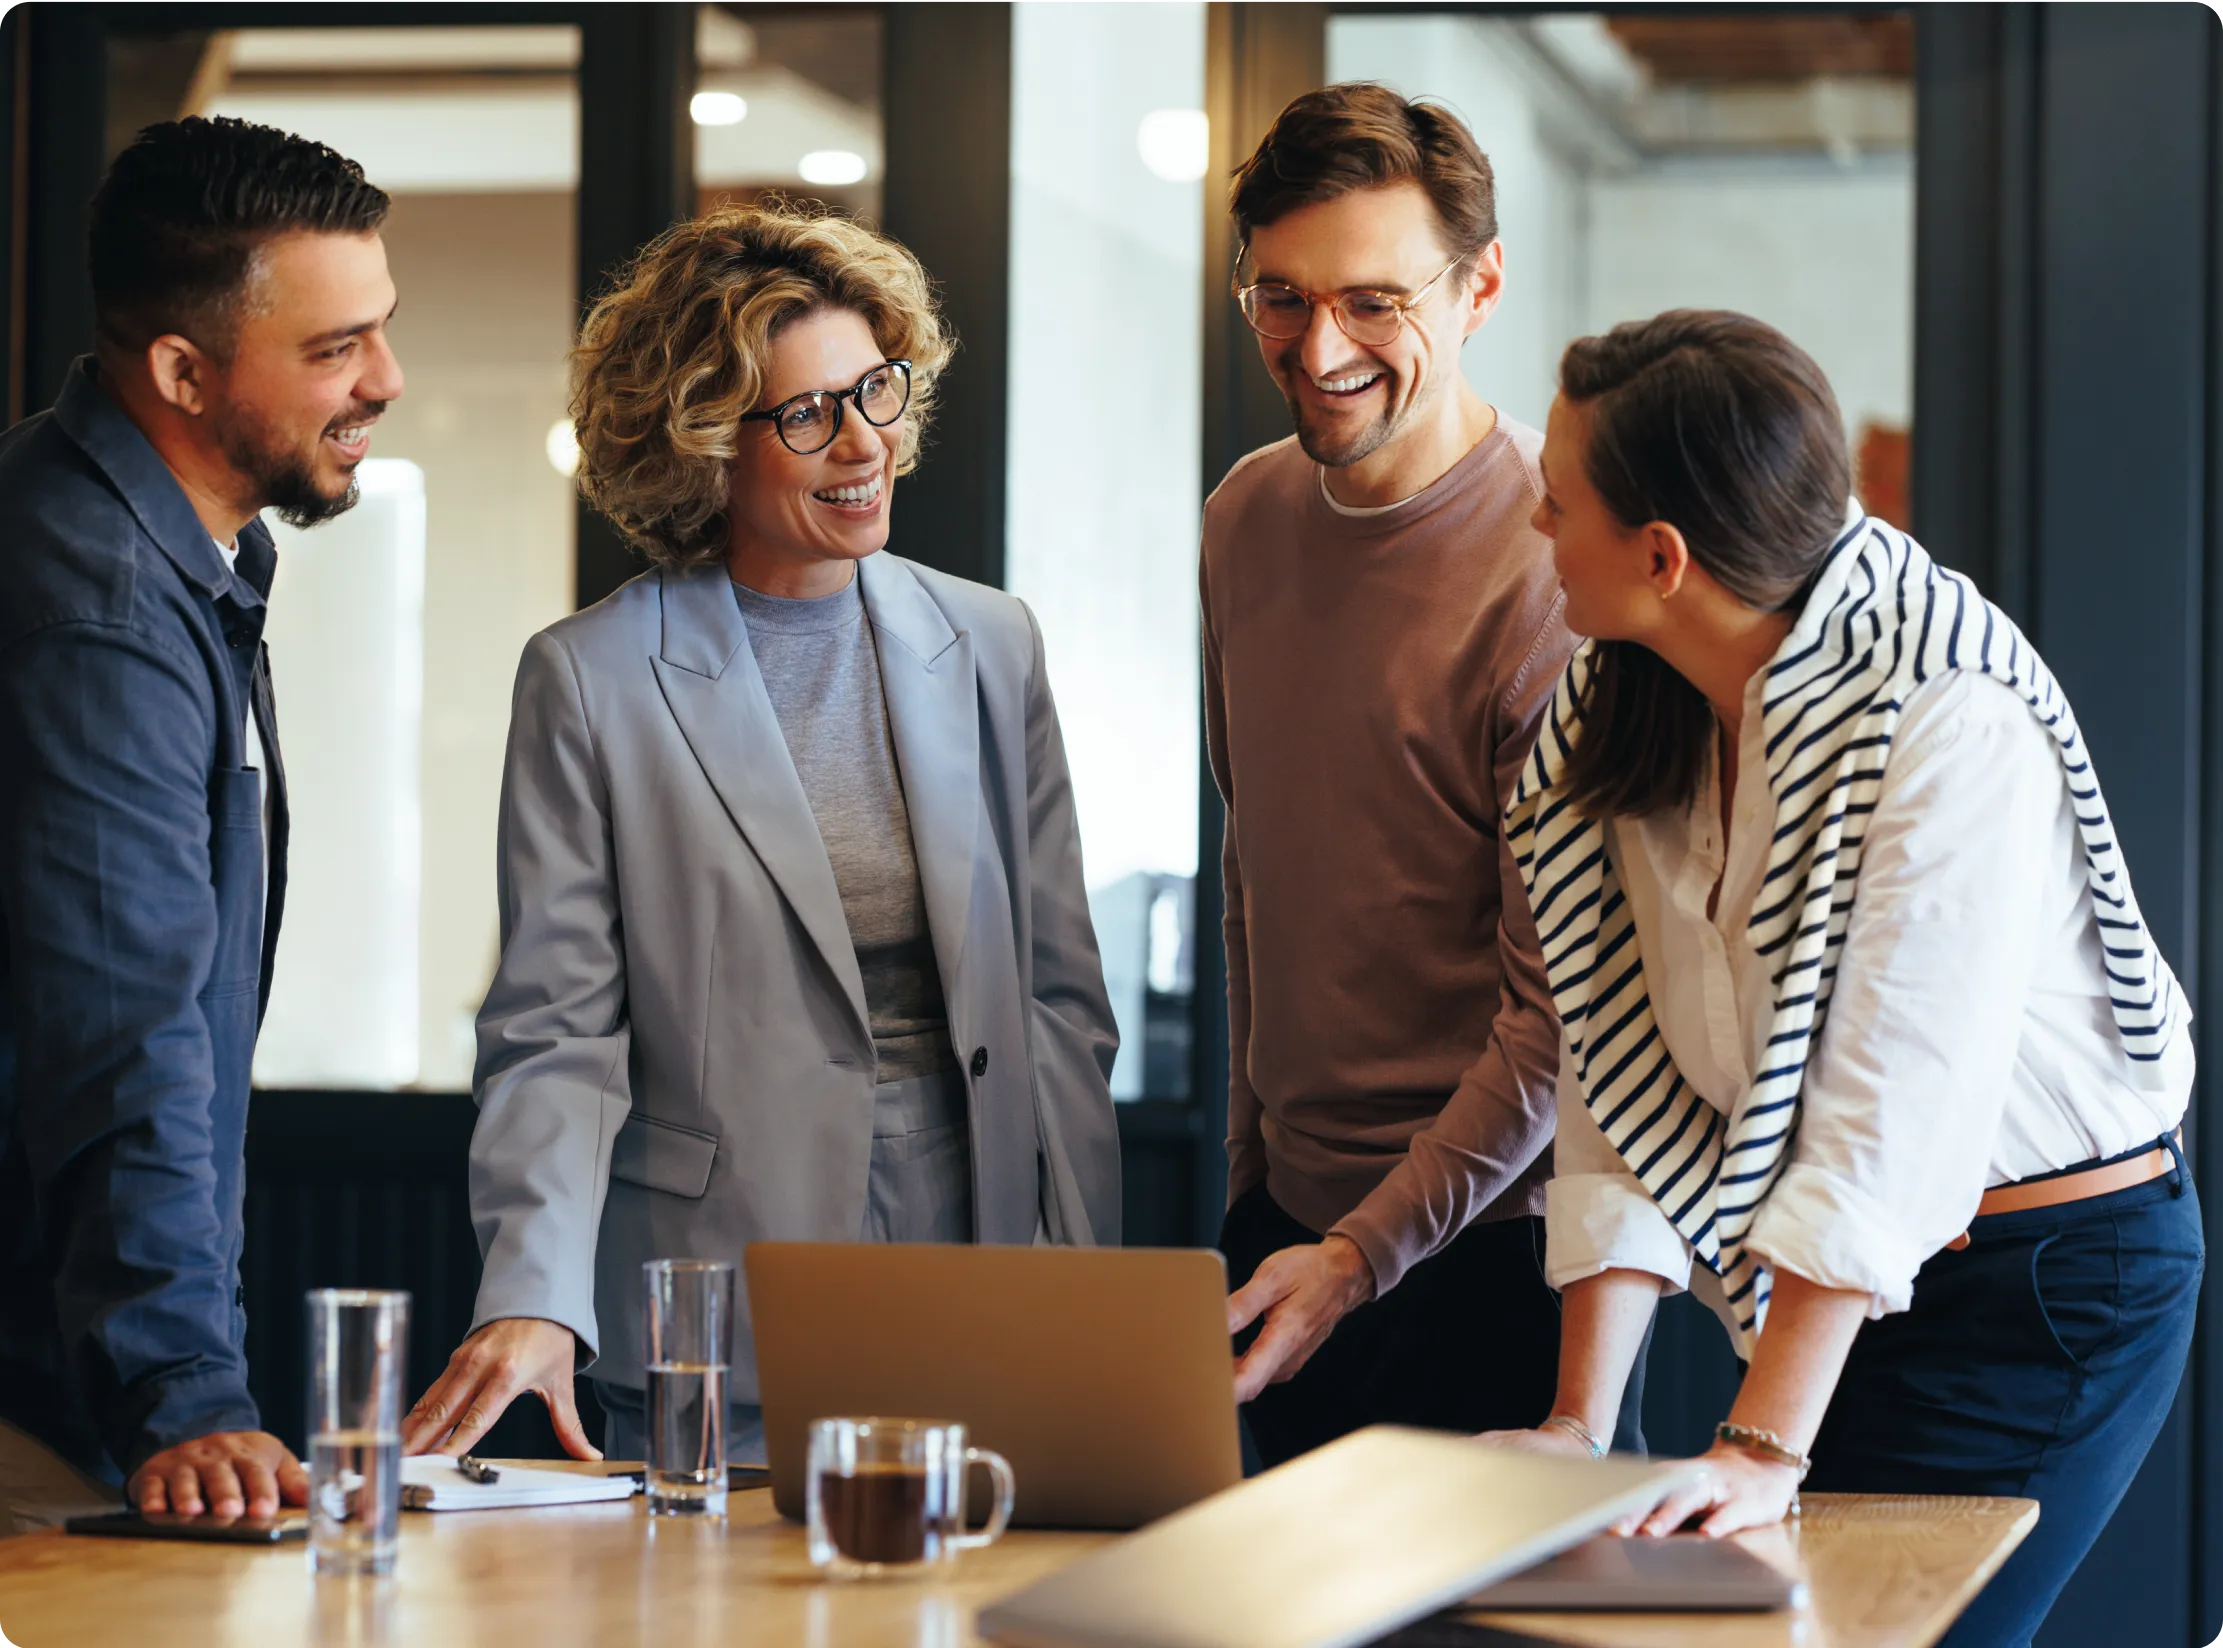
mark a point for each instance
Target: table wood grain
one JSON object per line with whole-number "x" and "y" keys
{"x": 1885, "y": 1573}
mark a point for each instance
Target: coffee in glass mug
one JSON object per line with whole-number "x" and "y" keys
{"x": 888, "y": 1495}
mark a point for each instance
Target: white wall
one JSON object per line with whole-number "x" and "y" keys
{"x": 482, "y": 334}
{"x": 346, "y": 638}
{"x": 1824, "y": 252}
{"x": 1105, "y": 367}
{"x": 485, "y": 320}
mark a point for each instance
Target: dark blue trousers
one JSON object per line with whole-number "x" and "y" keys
{"x": 2037, "y": 1362}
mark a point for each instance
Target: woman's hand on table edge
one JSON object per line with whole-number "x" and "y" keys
{"x": 1736, "y": 1490}
{"x": 490, "y": 1370}
{"x": 1551, "y": 1439}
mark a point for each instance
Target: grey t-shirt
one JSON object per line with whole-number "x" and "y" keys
{"x": 822, "y": 670}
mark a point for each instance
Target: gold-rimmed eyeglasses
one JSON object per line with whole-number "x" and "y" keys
{"x": 1277, "y": 310}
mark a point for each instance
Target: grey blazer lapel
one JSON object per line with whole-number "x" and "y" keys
{"x": 709, "y": 677}
{"x": 926, "y": 672}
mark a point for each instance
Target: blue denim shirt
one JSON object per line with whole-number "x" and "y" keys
{"x": 134, "y": 945}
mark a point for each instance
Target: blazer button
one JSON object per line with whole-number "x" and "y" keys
{"x": 980, "y": 1062}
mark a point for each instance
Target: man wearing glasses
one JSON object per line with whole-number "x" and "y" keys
{"x": 1381, "y": 633}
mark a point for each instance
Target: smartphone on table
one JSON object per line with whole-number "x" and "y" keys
{"x": 219, "y": 1530}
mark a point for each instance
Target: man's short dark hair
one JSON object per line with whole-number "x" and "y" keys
{"x": 178, "y": 219}
{"x": 1360, "y": 135}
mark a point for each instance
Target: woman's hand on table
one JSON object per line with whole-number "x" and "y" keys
{"x": 1551, "y": 1439}
{"x": 1735, "y": 1490}
{"x": 489, "y": 1371}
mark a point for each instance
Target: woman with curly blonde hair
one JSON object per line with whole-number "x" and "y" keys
{"x": 795, "y": 944}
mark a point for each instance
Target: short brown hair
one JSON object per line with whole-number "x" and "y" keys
{"x": 1361, "y": 135}
{"x": 668, "y": 362}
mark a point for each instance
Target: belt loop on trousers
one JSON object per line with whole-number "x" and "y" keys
{"x": 2183, "y": 1174}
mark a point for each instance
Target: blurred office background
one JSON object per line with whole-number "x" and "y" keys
{"x": 1995, "y": 226}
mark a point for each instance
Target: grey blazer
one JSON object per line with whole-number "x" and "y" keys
{"x": 674, "y": 1059}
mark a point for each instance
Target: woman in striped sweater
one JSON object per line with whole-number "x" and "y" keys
{"x": 1865, "y": 1041}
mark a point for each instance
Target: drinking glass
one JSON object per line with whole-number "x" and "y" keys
{"x": 689, "y": 1348}
{"x": 888, "y": 1495}
{"x": 358, "y": 1348}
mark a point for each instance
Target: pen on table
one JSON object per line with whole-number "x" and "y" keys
{"x": 478, "y": 1470}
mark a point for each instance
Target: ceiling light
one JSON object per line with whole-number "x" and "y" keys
{"x": 832, "y": 166}
{"x": 562, "y": 447}
{"x": 1175, "y": 143}
{"x": 718, "y": 109}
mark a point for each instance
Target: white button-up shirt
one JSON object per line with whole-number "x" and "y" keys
{"x": 257, "y": 757}
{"x": 1969, "y": 1040}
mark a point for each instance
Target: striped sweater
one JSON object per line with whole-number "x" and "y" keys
{"x": 1883, "y": 619}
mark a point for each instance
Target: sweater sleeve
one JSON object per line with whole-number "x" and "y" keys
{"x": 1497, "y": 1125}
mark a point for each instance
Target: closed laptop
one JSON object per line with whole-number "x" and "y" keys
{"x": 1333, "y": 1549}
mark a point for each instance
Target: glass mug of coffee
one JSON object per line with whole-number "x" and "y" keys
{"x": 887, "y": 1496}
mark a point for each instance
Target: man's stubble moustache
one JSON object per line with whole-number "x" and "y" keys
{"x": 284, "y": 477}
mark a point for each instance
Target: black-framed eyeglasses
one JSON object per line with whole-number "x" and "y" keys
{"x": 1277, "y": 310}
{"x": 808, "y": 422}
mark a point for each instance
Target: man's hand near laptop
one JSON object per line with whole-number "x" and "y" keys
{"x": 1302, "y": 1291}
{"x": 489, "y": 1371}
{"x": 226, "y": 1473}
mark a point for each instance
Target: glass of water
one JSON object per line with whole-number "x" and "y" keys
{"x": 689, "y": 1346}
{"x": 358, "y": 1348}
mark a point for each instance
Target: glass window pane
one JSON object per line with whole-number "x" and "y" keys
{"x": 1107, "y": 223}
{"x": 787, "y": 98}
{"x": 395, "y": 630}
{"x": 1652, "y": 161}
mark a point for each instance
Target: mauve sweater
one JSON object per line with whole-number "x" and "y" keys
{"x": 1371, "y": 684}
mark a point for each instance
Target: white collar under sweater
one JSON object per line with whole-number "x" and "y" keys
{"x": 1882, "y": 619}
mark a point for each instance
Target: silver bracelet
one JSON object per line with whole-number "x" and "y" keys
{"x": 1578, "y": 1430}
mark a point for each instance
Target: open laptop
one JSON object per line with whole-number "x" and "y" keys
{"x": 1103, "y": 1374}
{"x": 1339, "y": 1547}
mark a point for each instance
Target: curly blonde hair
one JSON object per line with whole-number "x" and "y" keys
{"x": 668, "y": 362}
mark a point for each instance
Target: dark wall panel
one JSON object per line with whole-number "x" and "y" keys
{"x": 636, "y": 179}
{"x": 1257, "y": 57}
{"x": 947, "y": 196}
{"x": 68, "y": 96}
{"x": 2207, "y": 1141}
{"x": 2123, "y": 306}
{"x": 366, "y": 1190}
{"x": 15, "y": 173}
{"x": 1974, "y": 209}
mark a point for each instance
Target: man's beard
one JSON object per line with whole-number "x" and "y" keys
{"x": 284, "y": 477}
{"x": 1340, "y": 451}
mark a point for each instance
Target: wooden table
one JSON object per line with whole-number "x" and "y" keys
{"x": 1885, "y": 1573}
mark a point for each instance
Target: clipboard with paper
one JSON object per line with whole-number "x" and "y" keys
{"x": 434, "y": 1482}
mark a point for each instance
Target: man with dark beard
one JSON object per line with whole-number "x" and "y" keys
{"x": 1381, "y": 634}
{"x": 241, "y": 298}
